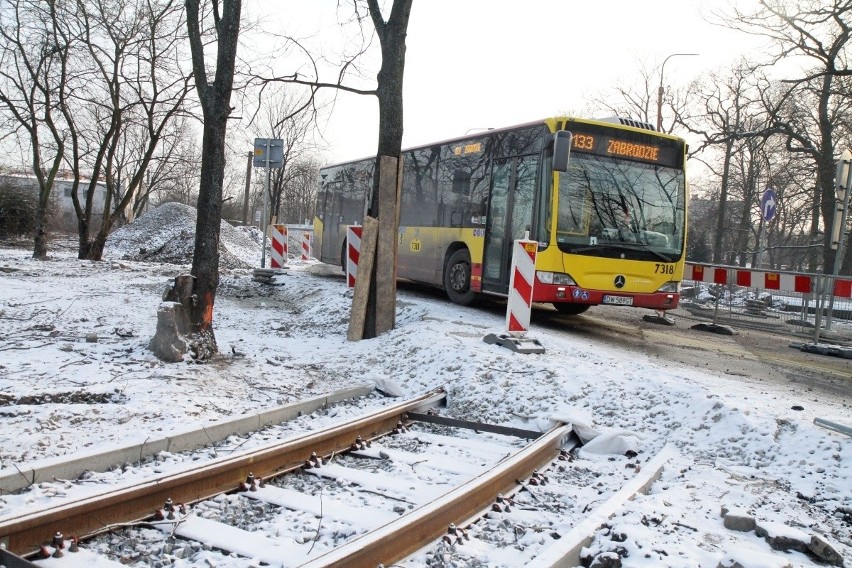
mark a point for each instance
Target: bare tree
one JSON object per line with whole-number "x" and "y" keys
{"x": 633, "y": 99}
{"x": 34, "y": 71}
{"x": 819, "y": 32}
{"x": 107, "y": 74}
{"x": 300, "y": 193}
{"x": 155, "y": 92}
{"x": 384, "y": 206}
{"x": 391, "y": 33}
{"x": 172, "y": 174}
{"x": 726, "y": 114}
{"x": 132, "y": 93}
{"x": 215, "y": 97}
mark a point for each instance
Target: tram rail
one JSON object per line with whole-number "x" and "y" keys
{"x": 434, "y": 516}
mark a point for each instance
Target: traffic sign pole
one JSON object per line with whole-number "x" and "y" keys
{"x": 268, "y": 153}
{"x": 843, "y": 167}
{"x": 265, "y": 209}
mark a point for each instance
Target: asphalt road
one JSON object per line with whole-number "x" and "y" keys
{"x": 754, "y": 355}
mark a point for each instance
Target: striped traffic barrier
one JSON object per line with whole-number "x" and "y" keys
{"x": 306, "y": 246}
{"x": 521, "y": 286}
{"x": 279, "y": 246}
{"x": 778, "y": 281}
{"x": 353, "y": 253}
{"x": 519, "y": 306}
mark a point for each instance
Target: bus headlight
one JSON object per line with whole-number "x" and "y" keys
{"x": 558, "y": 278}
{"x": 670, "y": 287}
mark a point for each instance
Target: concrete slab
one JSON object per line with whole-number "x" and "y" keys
{"x": 64, "y": 468}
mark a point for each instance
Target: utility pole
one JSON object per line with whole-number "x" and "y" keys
{"x": 661, "y": 90}
{"x": 248, "y": 186}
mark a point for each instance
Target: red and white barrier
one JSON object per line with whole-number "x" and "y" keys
{"x": 353, "y": 253}
{"x": 521, "y": 286}
{"x": 783, "y": 282}
{"x": 279, "y": 246}
{"x": 780, "y": 281}
{"x": 306, "y": 246}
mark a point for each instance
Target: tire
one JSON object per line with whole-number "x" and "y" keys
{"x": 571, "y": 309}
{"x": 457, "y": 278}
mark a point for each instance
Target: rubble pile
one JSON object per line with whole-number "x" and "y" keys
{"x": 166, "y": 234}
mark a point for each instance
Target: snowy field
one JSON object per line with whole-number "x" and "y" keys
{"x": 76, "y": 377}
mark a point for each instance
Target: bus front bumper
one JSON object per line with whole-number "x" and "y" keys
{"x": 555, "y": 293}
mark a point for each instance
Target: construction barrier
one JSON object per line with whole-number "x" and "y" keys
{"x": 353, "y": 253}
{"x": 775, "y": 281}
{"x": 521, "y": 286}
{"x": 306, "y": 246}
{"x": 279, "y": 246}
{"x": 801, "y": 304}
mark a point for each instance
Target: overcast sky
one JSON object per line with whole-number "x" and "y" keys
{"x": 491, "y": 63}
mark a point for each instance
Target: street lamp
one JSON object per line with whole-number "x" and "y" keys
{"x": 660, "y": 91}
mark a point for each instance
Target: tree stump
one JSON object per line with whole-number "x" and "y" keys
{"x": 171, "y": 341}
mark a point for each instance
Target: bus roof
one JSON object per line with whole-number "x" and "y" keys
{"x": 552, "y": 123}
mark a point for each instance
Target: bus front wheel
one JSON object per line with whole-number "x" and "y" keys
{"x": 570, "y": 309}
{"x": 457, "y": 278}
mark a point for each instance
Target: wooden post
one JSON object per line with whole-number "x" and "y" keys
{"x": 366, "y": 260}
{"x": 389, "y": 182}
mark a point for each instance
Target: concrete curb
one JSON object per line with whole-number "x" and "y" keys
{"x": 566, "y": 551}
{"x": 63, "y": 468}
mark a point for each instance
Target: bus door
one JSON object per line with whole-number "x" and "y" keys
{"x": 509, "y": 217}
{"x": 331, "y": 224}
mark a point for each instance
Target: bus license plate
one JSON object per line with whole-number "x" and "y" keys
{"x": 618, "y": 300}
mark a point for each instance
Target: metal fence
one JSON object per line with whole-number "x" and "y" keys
{"x": 815, "y": 316}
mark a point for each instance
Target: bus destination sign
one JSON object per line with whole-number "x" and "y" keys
{"x": 611, "y": 146}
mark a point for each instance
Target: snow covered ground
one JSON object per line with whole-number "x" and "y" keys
{"x": 76, "y": 377}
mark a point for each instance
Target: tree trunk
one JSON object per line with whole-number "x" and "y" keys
{"x": 389, "y": 91}
{"x": 205, "y": 259}
{"x": 723, "y": 202}
{"x": 40, "y": 238}
{"x": 827, "y": 205}
{"x": 83, "y": 245}
{"x": 215, "y": 99}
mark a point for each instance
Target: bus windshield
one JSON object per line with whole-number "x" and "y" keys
{"x": 621, "y": 209}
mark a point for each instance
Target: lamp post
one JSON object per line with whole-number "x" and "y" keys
{"x": 660, "y": 90}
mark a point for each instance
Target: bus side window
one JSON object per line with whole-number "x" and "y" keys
{"x": 453, "y": 186}
{"x": 419, "y": 188}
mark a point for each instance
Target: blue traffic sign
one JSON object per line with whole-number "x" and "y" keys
{"x": 271, "y": 148}
{"x": 768, "y": 204}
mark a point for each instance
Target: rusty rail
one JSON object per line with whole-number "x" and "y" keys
{"x": 415, "y": 530}
{"x": 24, "y": 534}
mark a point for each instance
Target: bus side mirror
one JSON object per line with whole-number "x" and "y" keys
{"x": 561, "y": 150}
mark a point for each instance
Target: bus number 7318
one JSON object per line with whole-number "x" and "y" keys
{"x": 604, "y": 199}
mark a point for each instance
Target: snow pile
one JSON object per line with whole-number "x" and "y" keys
{"x": 740, "y": 445}
{"x": 167, "y": 235}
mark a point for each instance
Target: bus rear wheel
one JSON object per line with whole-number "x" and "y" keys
{"x": 570, "y": 309}
{"x": 457, "y": 278}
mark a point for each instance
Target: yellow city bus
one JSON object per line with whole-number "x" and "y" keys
{"x": 605, "y": 200}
